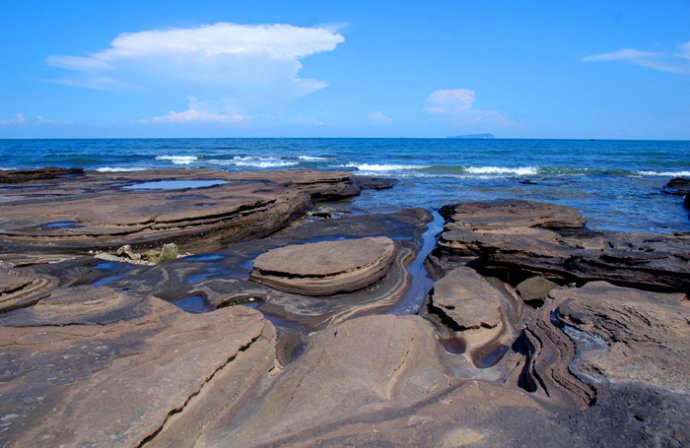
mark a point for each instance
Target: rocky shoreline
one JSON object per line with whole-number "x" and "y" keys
{"x": 277, "y": 322}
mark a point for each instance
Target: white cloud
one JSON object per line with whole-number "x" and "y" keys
{"x": 672, "y": 63}
{"x": 252, "y": 68}
{"x": 197, "y": 112}
{"x": 457, "y": 105}
{"x": 18, "y": 119}
{"x": 380, "y": 117}
{"x": 225, "y": 56}
{"x": 449, "y": 101}
{"x": 21, "y": 119}
{"x": 49, "y": 121}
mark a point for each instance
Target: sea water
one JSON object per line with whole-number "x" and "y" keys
{"x": 617, "y": 185}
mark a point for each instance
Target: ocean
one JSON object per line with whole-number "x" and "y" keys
{"x": 617, "y": 185}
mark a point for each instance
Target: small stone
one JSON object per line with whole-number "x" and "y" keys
{"x": 152, "y": 256}
{"x": 168, "y": 253}
{"x": 123, "y": 250}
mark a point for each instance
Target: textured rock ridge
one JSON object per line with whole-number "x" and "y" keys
{"x": 521, "y": 239}
{"x": 106, "y": 210}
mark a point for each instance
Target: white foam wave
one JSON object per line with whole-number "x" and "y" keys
{"x": 255, "y": 162}
{"x": 384, "y": 167}
{"x": 665, "y": 173}
{"x": 267, "y": 163}
{"x": 520, "y": 171}
{"x": 178, "y": 160}
{"x": 312, "y": 158}
{"x": 114, "y": 169}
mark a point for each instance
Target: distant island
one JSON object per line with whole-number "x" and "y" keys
{"x": 482, "y": 136}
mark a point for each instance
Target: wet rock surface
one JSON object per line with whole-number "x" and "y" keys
{"x": 149, "y": 208}
{"x": 518, "y": 343}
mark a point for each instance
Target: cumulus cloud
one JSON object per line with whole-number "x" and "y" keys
{"x": 197, "y": 112}
{"x": 678, "y": 63}
{"x": 254, "y": 65}
{"x": 18, "y": 119}
{"x": 457, "y": 104}
{"x": 380, "y": 117}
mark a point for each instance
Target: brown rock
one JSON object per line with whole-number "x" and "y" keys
{"x": 19, "y": 176}
{"x": 102, "y": 211}
{"x": 95, "y": 367}
{"x": 627, "y": 335}
{"x": 19, "y": 288}
{"x": 520, "y": 239}
{"x": 363, "y": 367}
{"x": 326, "y": 267}
{"x": 467, "y": 299}
{"x": 534, "y": 290}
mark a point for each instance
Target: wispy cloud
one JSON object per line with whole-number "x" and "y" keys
{"x": 678, "y": 63}
{"x": 380, "y": 117}
{"x": 457, "y": 104}
{"x": 197, "y": 112}
{"x": 256, "y": 66}
{"x": 49, "y": 121}
{"x": 18, "y": 119}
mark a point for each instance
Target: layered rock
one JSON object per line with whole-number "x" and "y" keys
{"x": 627, "y": 335}
{"x": 20, "y": 288}
{"x": 326, "y": 267}
{"x": 107, "y": 210}
{"x": 520, "y": 239}
{"x": 96, "y": 367}
{"x": 19, "y": 176}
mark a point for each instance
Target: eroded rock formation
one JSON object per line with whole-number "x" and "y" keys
{"x": 114, "y": 369}
{"x": 101, "y": 353}
{"x": 521, "y": 239}
{"x": 327, "y": 267}
{"x": 149, "y": 208}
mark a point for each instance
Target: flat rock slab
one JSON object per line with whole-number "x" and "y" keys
{"x": 96, "y": 367}
{"x": 467, "y": 299}
{"x": 326, "y": 267}
{"x": 149, "y": 208}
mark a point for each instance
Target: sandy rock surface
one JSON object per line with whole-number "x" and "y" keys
{"x": 326, "y": 267}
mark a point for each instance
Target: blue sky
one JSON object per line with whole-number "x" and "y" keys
{"x": 551, "y": 69}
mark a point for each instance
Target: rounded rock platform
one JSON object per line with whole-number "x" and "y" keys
{"x": 327, "y": 267}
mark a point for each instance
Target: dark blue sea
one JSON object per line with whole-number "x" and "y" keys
{"x": 617, "y": 185}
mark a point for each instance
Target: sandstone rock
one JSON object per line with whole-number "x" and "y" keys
{"x": 467, "y": 299}
{"x": 105, "y": 210}
{"x": 365, "y": 366}
{"x": 95, "y": 367}
{"x": 19, "y": 288}
{"x": 327, "y": 267}
{"x": 519, "y": 239}
{"x": 478, "y": 314}
{"x": 19, "y": 176}
{"x": 627, "y": 335}
{"x": 534, "y": 290}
